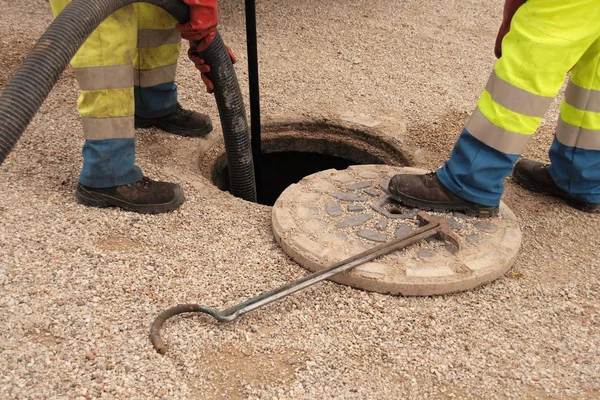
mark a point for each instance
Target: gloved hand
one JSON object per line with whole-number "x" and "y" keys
{"x": 201, "y": 31}
{"x": 204, "y": 68}
{"x": 202, "y": 27}
{"x": 510, "y": 8}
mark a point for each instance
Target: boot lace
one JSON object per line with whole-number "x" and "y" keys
{"x": 182, "y": 112}
{"x": 143, "y": 183}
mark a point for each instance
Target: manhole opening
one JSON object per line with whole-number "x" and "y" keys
{"x": 292, "y": 152}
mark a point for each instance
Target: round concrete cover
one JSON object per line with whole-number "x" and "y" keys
{"x": 332, "y": 215}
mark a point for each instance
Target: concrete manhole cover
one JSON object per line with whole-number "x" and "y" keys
{"x": 332, "y": 215}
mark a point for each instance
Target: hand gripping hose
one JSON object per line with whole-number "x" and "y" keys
{"x": 35, "y": 78}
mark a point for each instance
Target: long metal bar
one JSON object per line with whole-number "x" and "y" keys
{"x": 254, "y": 88}
{"x": 434, "y": 226}
{"x": 342, "y": 266}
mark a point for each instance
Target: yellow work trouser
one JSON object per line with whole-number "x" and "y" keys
{"x": 126, "y": 67}
{"x": 547, "y": 39}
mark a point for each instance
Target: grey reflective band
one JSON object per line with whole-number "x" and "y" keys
{"x": 157, "y": 37}
{"x": 156, "y": 76}
{"x": 108, "y": 128}
{"x": 106, "y": 77}
{"x": 516, "y": 99}
{"x": 497, "y": 138}
{"x": 575, "y": 136}
{"x": 582, "y": 99}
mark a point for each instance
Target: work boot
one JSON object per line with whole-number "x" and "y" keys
{"x": 180, "y": 122}
{"x": 144, "y": 196}
{"x": 534, "y": 176}
{"x": 428, "y": 193}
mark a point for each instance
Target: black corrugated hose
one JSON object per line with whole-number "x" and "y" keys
{"x": 35, "y": 78}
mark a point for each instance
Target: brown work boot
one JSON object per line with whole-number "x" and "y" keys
{"x": 144, "y": 196}
{"x": 428, "y": 193}
{"x": 180, "y": 122}
{"x": 534, "y": 176}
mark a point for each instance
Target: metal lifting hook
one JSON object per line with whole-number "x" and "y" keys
{"x": 434, "y": 226}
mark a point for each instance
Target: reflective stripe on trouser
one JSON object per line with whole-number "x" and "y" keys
{"x": 104, "y": 67}
{"x": 155, "y": 61}
{"x": 575, "y": 152}
{"x": 546, "y": 39}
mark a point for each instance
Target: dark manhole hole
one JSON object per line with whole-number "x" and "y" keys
{"x": 291, "y": 152}
{"x": 280, "y": 170}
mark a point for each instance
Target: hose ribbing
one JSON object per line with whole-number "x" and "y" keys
{"x": 233, "y": 119}
{"x": 35, "y": 78}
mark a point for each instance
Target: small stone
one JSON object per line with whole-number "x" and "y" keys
{"x": 368, "y": 174}
{"x": 381, "y": 225}
{"x": 372, "y": 192}
{"x": 304, "y": 212}
{"x": 372, "y": 235}
{"x": 323, "y": 186}
{"x": 311, "y": 364}
{"x": 90, "y": 356}
{"x": 335, "y": 239}
{"x": 315, "y": 225}
{"x": 474, "y": 238}
{"x": 486, "y": 226}
{"x": 308, "y": 198}
{"x": 355, "y": 207}
{"x": 384, "y": 185}
{"x": 454, "y": 224}
{"x": 403, "y": 230}
{"x": 459, "y": 215}
{"x": 345, "y": 196}
{"x": 358, "y": 185}
{"x": 334, "y": 209}
{"x": 342, "y": 177}
{"x": 355, "y": 220}
{"x": 426, "y": 253}
{"x": 450, "y": 247}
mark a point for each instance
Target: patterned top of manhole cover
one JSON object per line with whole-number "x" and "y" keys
{"x": 332, "y": 215}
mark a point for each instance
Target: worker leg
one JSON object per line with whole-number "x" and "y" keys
{"x": 104, "y": 71}
{"x": 546, "y": 39}
{"x": 155, "y": 61}
{"x": 575, "y": 152}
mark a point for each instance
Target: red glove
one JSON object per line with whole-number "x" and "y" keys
{"x": 510, "y": 8}
{"x": 201, "y": 31}
{"x": 202, "y": 27}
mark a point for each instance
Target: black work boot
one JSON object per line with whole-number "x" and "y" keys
{"x": 428, "y": 193}
{"x": 534, "y": 175}
{"x": 144, "y": 196}
{"x": 180, "y": 122}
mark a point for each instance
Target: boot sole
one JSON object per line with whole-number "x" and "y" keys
{"x": 532, "y": 187}
{"x": 174, "y": 129}
{"x": 92, "y": 199}
{"x": 467, "y": 209}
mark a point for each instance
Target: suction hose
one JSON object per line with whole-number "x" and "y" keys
{"x": 35, "y": 78}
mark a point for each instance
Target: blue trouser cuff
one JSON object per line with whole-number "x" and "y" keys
{"x": 475, "y": 171}
{"x": 109, "y": 162}
{"x": 155, "y": 101}
{"x": 576, "y": 171}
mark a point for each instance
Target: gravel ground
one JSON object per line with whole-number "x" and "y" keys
{"x": 80, "y": 286}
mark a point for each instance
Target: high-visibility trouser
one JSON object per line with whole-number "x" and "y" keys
{"x": 126, "y": 67}
{"x": 546, "y": 39}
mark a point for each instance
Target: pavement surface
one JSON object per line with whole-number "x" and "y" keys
{"x": 80, "y": 286}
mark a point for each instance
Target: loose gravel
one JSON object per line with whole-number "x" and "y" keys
{"x": 79, "y": 287}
